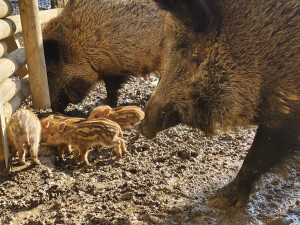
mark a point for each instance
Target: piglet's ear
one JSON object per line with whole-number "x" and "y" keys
{"x": 47, "y": 121}
{"x": 201, "y": 14}
{"x": 107, "y": 112}
{"x": 62, "y": 127}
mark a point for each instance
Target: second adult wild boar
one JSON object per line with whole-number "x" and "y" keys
{"x": 95, "y": 40}
{"x": 232, "y": 63}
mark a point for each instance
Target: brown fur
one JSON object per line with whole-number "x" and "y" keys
{"x": 242, "y": 71}
{"x": 101, "y": 40}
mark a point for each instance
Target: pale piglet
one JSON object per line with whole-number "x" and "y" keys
{"x": 23, "y": 131}
{"x": 87, "y": 134}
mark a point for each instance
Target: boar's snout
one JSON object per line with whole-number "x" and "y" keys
{"x": 158, "y": 119}
{"x": 146, "y": 131}
{"x": 60, "y": 103}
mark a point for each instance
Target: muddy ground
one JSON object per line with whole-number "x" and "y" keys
{"x": 163, "y": 181}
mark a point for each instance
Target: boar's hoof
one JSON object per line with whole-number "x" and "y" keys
{"x": 229, "y": 196}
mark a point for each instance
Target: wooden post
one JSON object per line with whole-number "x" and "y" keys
{"x": 34, "y": 50}
{"x": 5, "y": 8}
{"x": 3, "y": 141}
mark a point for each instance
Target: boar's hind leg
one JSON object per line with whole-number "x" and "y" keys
{"x": 113, "y": 84}
{"x": 268, "y": 149}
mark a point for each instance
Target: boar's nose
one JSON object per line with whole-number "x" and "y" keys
{"x": 138, "y": 127}
{"x": 60, "y": 103}
{"x": 57, "y": 107}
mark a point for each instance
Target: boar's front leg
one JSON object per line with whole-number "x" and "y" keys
{"x": 113, "y": 84}
{"x": 268, "y": 149}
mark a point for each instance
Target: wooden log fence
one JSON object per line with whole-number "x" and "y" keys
{"x": 3, "y": 48}
{"x": 17, "y": 79}
{"x": 5, "y": 8}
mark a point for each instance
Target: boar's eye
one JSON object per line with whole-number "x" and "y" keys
{"x": 162, "y": 114}
{"x": 184, "y": 53}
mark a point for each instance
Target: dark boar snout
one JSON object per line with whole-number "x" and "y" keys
{"x": 158, "y": 119}
{"x": 60, "y": 103}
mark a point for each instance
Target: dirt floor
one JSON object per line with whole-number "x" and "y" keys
{"x": 163, "y": 181}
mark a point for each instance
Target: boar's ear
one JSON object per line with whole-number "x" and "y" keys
{"x": 203, "y": 14}
{"x": 62, "y": 127}
{"x": 107, "y": 111}
{"x": 51, "y": 50}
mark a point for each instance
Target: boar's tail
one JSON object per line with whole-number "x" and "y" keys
{"x": 204, "y": 14}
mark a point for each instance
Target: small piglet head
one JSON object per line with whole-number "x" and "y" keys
{"x": 56, "y": 135}
{"x": 45, "y": 125}
{"x": 100, "y": 112}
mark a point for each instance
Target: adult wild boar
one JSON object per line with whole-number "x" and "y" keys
{"x": 95, "y": 40}
{"x": 232, "y": 63}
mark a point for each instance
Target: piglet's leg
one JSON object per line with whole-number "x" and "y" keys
{"x": 21, "y": 152}
{"x": 34, "y": 149}
{"x": 117, "y": 143}
{"x": 61, "y": 150}
{"x": 76, "y": 153}
{"x": 84, "y": 154}
{"x": 123, "y": 146}
{"x": 69, "y": 148}
{"x": 122, "y": 143}
{"x": 13, "y": 150}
